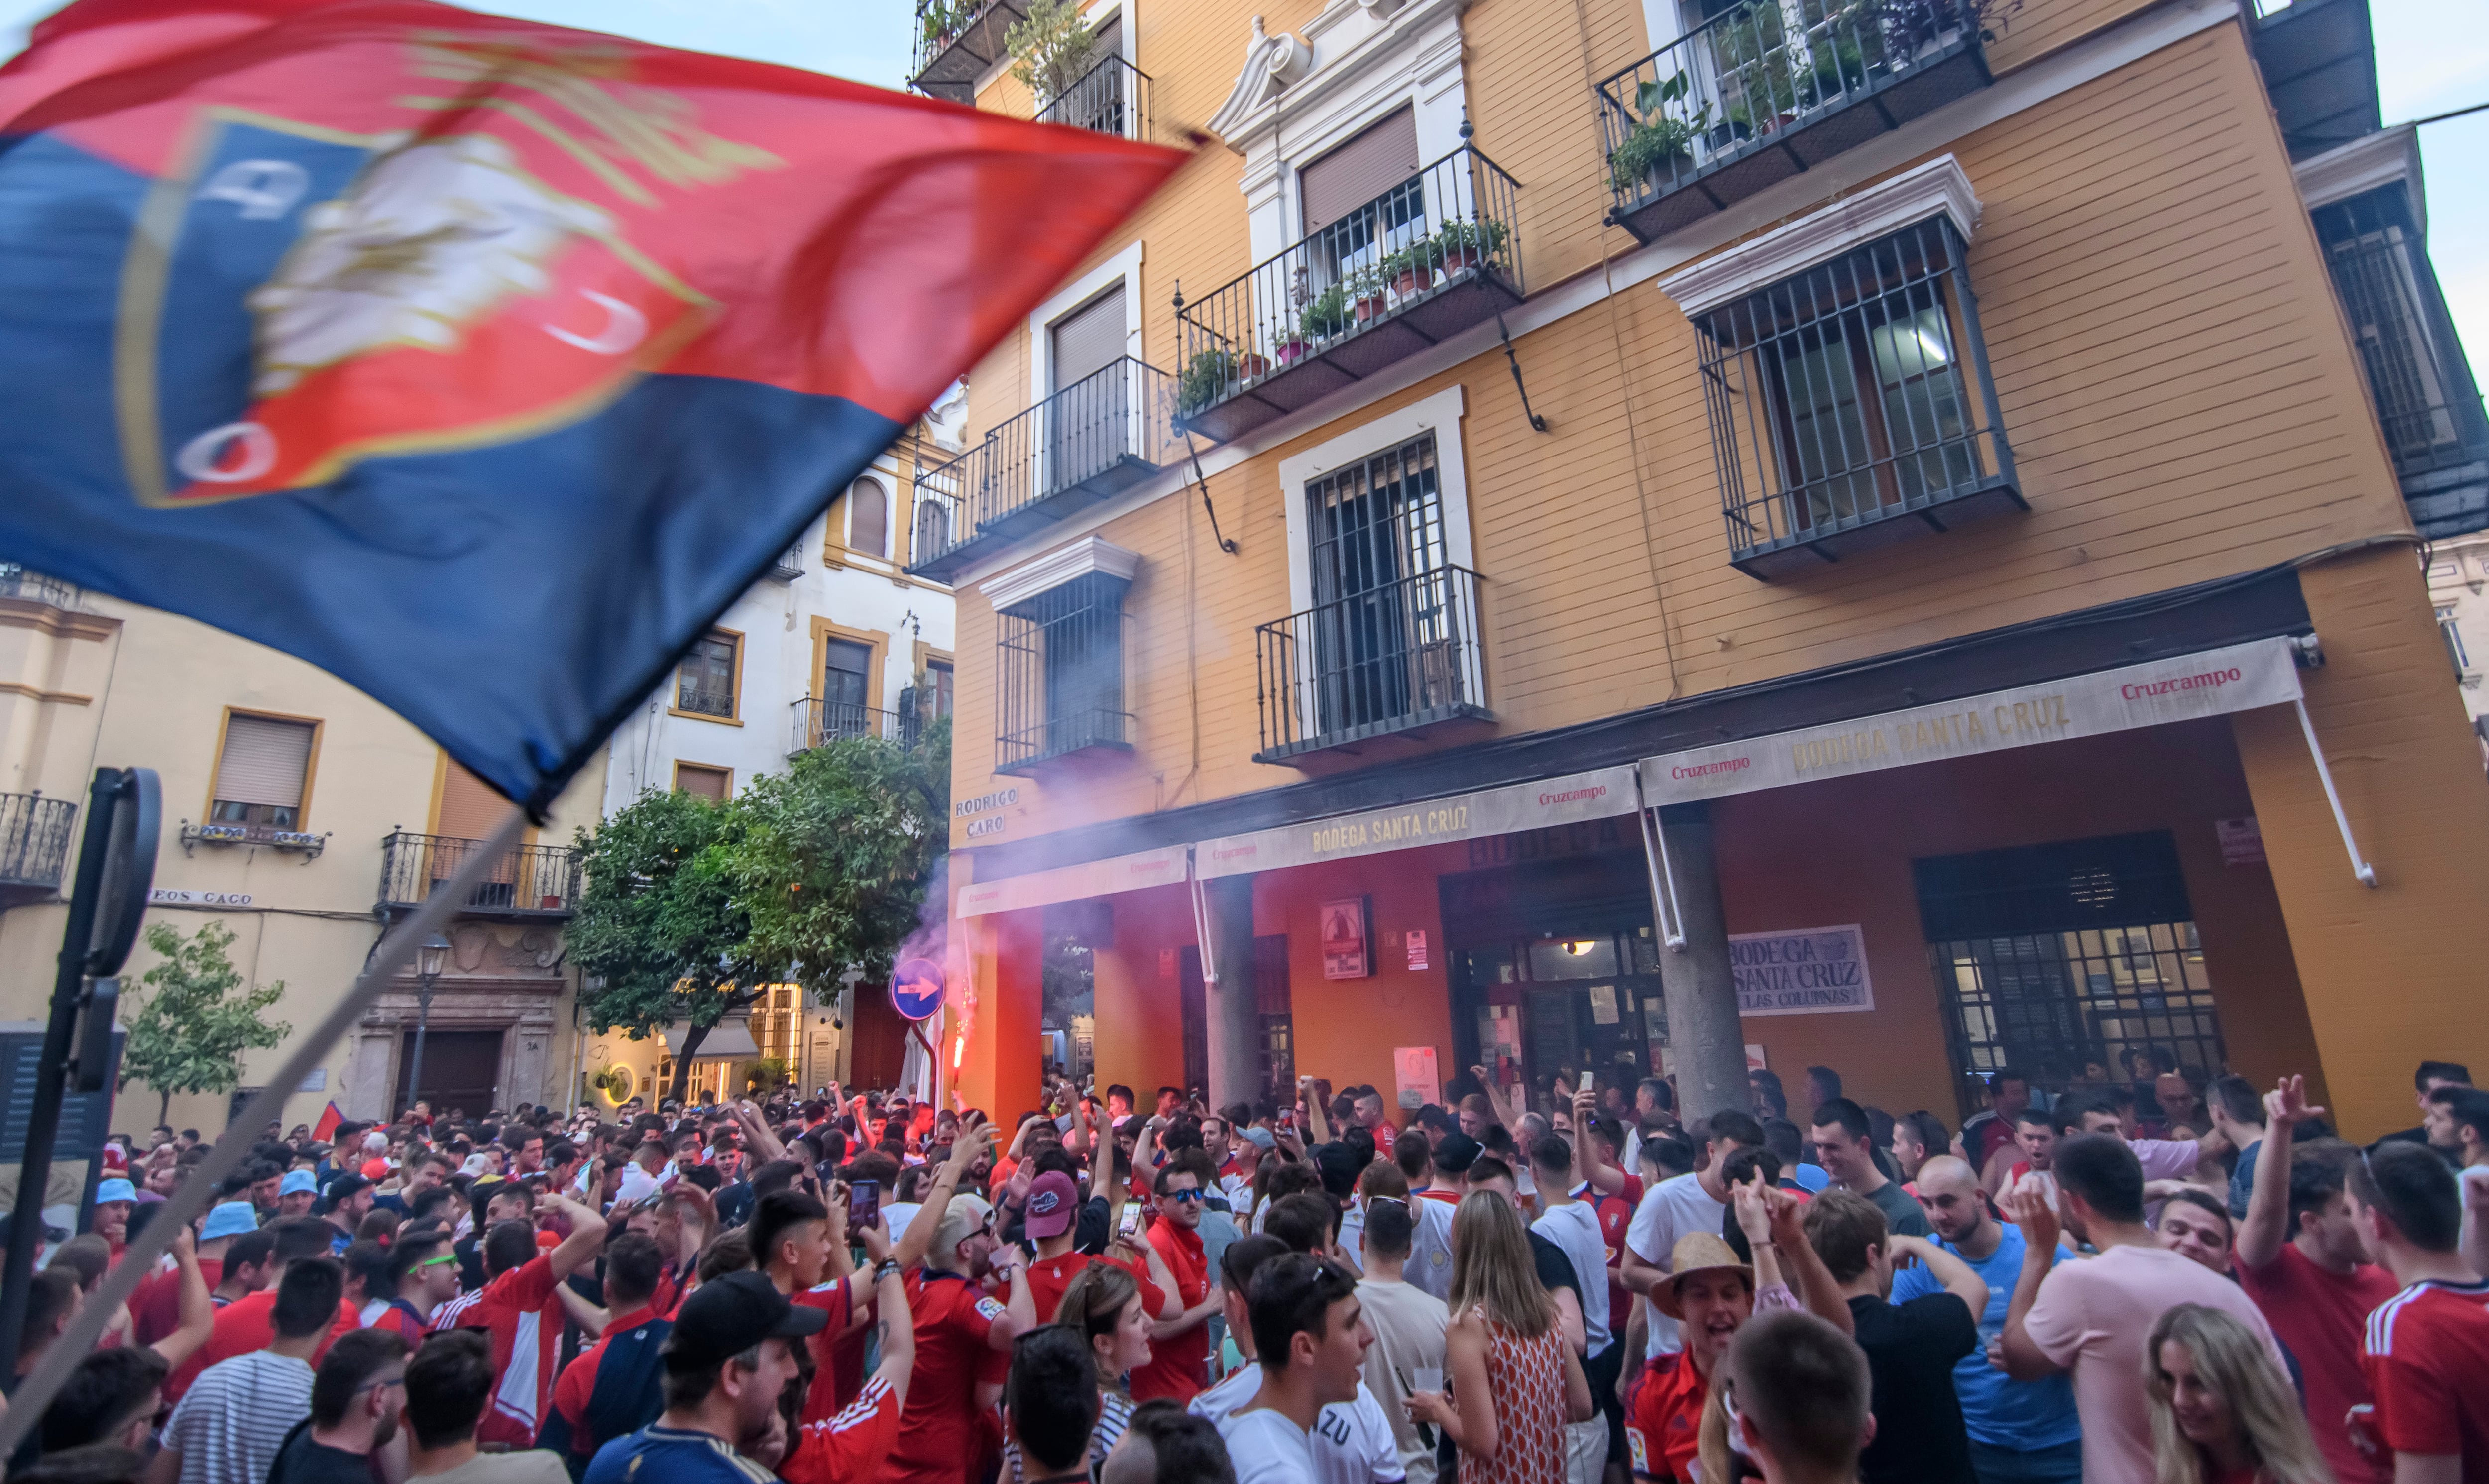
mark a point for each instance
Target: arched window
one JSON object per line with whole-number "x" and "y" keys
{"x": 932, "y": 530}
{"x": 869, "y": 517}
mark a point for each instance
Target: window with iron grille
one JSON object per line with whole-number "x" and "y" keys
{"x": 705, "y": 681}
{"x": 1850, "y": 397}
{"x": 1061, "y": 672}
{"x": 2066, "y": 962}
{"x": 2422, "y": 385}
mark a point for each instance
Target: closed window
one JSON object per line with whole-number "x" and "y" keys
{"x": 869, "y": 517}
{"x": 1062, "y": 673}
{"x": 937, "y": 676}
{"x": 470, "y": 808}
{"x": 705, "y": 681}
{"x": 847, "y": 687}
{"x": 932, "y": 528}
{"x": 702, "y": 781}
{"x": 263, "y": 772}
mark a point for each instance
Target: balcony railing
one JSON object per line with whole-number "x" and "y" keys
{"x": 702, "y": 702}
{"x": 789, "y": 564}
{"x": 527, "y": 881}
{"x": 1770, "y": 88}
{"x": 1112, "y": 98}
{"x": 1396, "y": 658}
{"x": 1060, "y": 680}
{"x": 956, "y": 40}
{"x": 818, "y": 721}
{"x": 1087, "y": 442}
{"x": 1428, "y": 258}
{"x": 15, "y": 581}
{"x": 33, "y": 844}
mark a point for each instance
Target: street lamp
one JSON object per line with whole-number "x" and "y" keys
{"x": 429, "y": 956}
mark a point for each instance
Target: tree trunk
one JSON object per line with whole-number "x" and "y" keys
{"x": 163, "y": 1105}
{"x": 682, "y": 1076}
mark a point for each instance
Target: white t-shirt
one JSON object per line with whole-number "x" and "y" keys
{"x": 1575, "y": 1228}
{"x": 1265, "y": 1447}
{"x": 1670, "y": 1209}
{"x": 1351, "y": 1441}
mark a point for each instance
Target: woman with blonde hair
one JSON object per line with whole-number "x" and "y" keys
{"x": 2221, "y": 1412}
{"x": 1102, "y": 1306}
{"x": 1514, "y": 1383}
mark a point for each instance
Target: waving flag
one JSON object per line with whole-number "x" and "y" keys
{"x": 481, "y": 363}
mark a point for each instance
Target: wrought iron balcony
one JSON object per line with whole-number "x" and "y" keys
{"x": 818, "y": 721}
{"x": 1060, "y": 675}
{"x": 1425, "y": 260}
{"x": 1394, "y": 659}
{"x": 529, "y": 881}
{"x": 33, "y": 844}
{"x": 1087, "y": 442}
{"x": 1769, "y": 88}
{"x": 15, "y": 581}
{"x": 789, "y": 564}
{"x": 1112, "y": 98}
{"x": 956, "y": 40}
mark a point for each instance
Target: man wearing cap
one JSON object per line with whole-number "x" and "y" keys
{"x": 155, "y": 1309}
{"x": 297, "y": 1194}
{"x": 726, "y": 1362}
{"x": 246, "y": 1324}
{"x": 113, "y": 1199}
{"x": 349, "y": 1200}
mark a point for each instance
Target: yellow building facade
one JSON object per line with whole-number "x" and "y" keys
{"x": 1633, "y": 535}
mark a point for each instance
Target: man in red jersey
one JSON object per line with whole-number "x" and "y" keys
{"x": 591, "y": 1407}
{"x": 1180, "y": 1347}
{"x": 2427, "y": 1349}
{"x": 517, "y": 1308}
{"x": 963, "y": 1336}
{"x": 244, "y": 1325}
{"x": 2299, "y": 1256}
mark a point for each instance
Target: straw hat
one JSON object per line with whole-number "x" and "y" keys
{"x": 1697, "y": 1252}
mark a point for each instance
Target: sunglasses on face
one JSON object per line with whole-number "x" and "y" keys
{"x": 1186, "y": 1196}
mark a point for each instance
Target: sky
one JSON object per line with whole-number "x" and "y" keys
{"x": 2432, "y": 56}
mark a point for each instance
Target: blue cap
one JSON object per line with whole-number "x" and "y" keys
{"x": 231, "y": 1218}
{"x": 115, "y": 1190}
{"x": 298, "y": 1183}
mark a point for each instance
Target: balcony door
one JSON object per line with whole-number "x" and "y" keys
{"x": 847, "y": 675}
{"x": 471, "y": 811}
{"x": 1376, "y": 556}
{"x": 1085, "y": 421}
{"x": 1362, "y": 200}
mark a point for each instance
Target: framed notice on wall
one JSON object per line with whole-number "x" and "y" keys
{"x": 1801, "y": 971}
{"x": 1347, "y": 943}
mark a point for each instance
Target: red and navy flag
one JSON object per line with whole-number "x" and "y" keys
{"x": 481, "y": 363}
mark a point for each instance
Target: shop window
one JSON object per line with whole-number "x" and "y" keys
{"x": 1854, "y": 393}
{"x": 263, "y": 771}
{"x": 2069, "y": 963}
{"x": 705, "y": 681}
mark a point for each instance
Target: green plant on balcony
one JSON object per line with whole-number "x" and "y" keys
{"x": 1413, "y": 267}
{"x": 1325, "y": 315}
{"x": 1365, "y": 293}
{"x": 1658, "y": 136}
{"x": 1054, "y": 48}
{"x": 942, "y": 20}
{"x": 1775, "y": 71}
{"x": 1204, "y": 379}
{"x": 1464, "y": 244}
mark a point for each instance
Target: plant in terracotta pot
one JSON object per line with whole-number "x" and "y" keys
{"x": 1659, "y": 138}
{"x": 1325, "y": 316}
{"x": 1465, "y": 245}
{"x": 1412, "y": 270}
{"x": 1366, "y": 286}
{"x": 1205, "y": 377}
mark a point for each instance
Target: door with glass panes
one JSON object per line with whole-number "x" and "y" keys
{"x": 846, "y": 674}
{"x": 1378, "y": 564}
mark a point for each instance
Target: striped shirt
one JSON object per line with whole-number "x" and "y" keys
{"x": 234, "y": 1419}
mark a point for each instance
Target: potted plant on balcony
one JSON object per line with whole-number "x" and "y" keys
{"x": 1292, "y": 349}
{"x": 1325, "y": 316}
{"x": 1658, "y": 137}
{"x": 1205, "y": 380}
{"x": 1054, "y": 47}
{"x": 1366, "y": 286}
{"x": 1465, "y": 245}
{"x": 1412, "y": 270}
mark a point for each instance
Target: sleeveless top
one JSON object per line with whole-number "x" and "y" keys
{"x": 1526, "y": 1380}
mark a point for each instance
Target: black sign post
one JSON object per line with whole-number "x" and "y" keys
{"x": 107, "y": 904}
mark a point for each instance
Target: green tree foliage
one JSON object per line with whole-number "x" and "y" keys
{"x": 690, "y": 906}
{"x": 1053, "y": 48}
{"x": 186, "y": 1035}
{"x": 659, "y": 932}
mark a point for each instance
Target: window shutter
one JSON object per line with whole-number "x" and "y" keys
{"x": 470, "y": 807}
{"x": 700, "y": 782}
{"x": 263, "y": 761}
{"x": 1089, "y": 339}
{"x": 867, "y": 517}
{"x": 1108, "y": 39}
{"x": 1357, "y": 171}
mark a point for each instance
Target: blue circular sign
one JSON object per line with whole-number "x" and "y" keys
{"x": 916, "y": 988}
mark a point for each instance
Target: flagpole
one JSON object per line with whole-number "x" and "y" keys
{"x": 138, "y": 1261}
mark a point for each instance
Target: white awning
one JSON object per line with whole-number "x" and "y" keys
{"x": 2212, "y": 683}
{"x": 727, "y": 1040}
{"x": 1600, "y": 795}
{"x": 1073, "y": 883}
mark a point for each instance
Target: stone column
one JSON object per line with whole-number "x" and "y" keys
{"x": 1705, "y": 1041}
{"x": 1235, "y": 1021}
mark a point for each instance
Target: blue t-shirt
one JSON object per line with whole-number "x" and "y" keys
{"x": 1999, "y": 1410}
{"x": 676, "y": 1456}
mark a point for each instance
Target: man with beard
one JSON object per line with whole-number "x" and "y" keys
{"x": 2026, "y": 1431}
{"x": 354, "y": 1400}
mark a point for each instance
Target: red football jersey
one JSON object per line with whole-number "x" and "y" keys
{"x": 941, "y": 1432}
{"x": 2425, "y": 1353}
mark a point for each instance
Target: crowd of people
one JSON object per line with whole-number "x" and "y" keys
{"x": 2182, "y": 1278}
